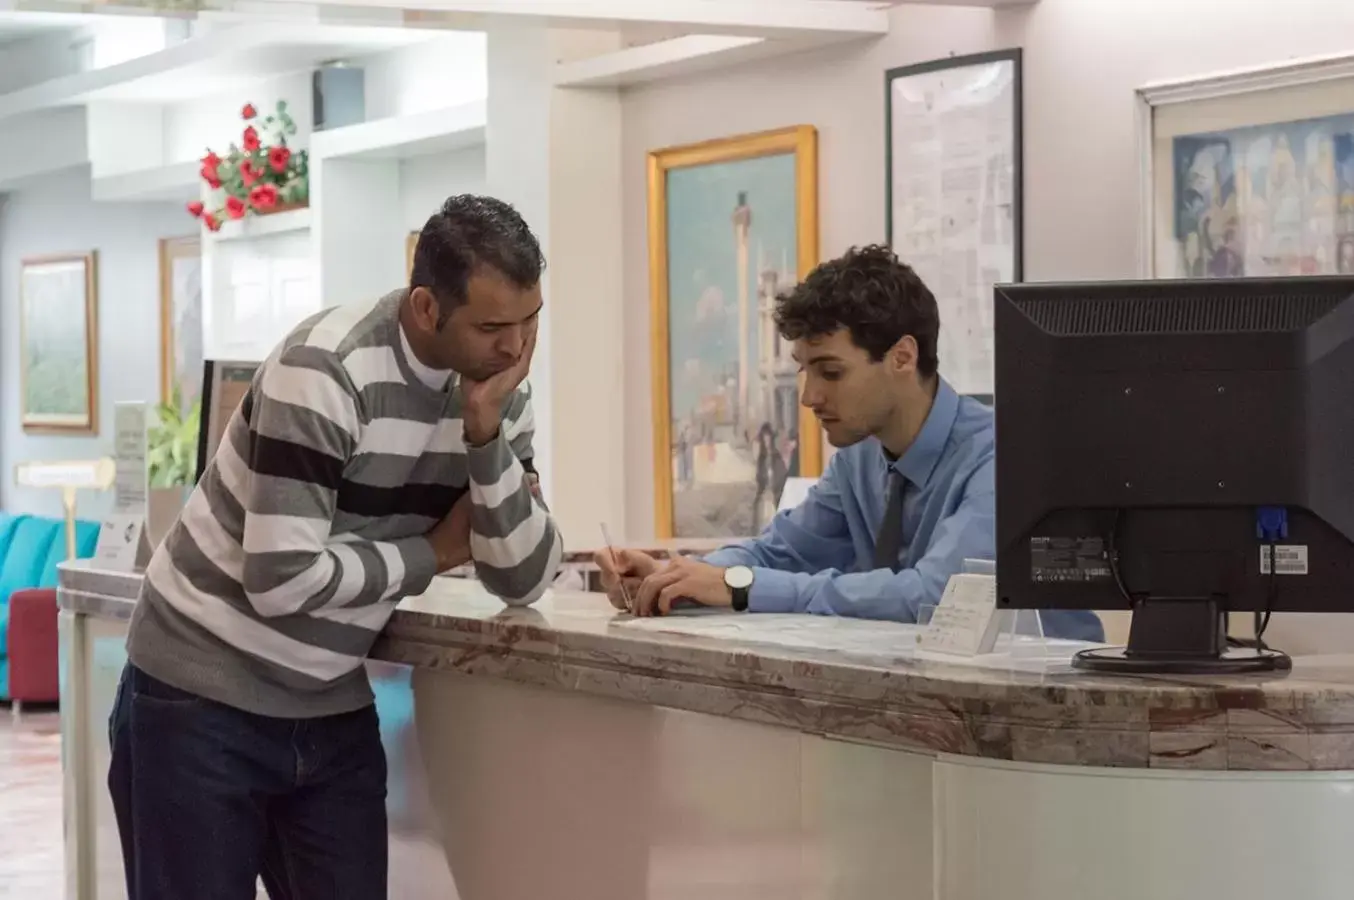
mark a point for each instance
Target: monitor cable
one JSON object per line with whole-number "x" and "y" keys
{"x": 1271, "y": 593}
{"x": 1112, "y": 558}
{"x": 1261, "y": 616}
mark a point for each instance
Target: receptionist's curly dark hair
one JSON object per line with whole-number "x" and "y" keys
{"x": 871, "y": 294}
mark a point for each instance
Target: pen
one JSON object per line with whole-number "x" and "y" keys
{"x": 625, "y": 591}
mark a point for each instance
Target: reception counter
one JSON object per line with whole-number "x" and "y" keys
{"x": 567, "y": 751}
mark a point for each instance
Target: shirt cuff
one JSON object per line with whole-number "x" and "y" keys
{"x": 722, "y": 558}
{"x": 420, "y": 565}
{"x": 488, "y": 462}
{"x": 773, "y": 591}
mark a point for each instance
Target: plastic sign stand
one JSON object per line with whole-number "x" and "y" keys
{"x": 794, "y": 492}
{"x": 122, "y": 532}
{"x": 966, "y": 622}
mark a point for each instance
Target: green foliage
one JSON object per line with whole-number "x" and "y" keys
{"x": 171, "y": 450}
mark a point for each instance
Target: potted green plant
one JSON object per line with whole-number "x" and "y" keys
{"x": 171, "y": 457}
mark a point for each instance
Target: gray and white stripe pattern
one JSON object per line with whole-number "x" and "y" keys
{"x": 309, "y": 523}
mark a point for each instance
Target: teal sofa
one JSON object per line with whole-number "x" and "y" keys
{"x": 31, "y": 547}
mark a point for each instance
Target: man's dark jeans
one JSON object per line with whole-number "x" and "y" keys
{"x": 209, "y": 798}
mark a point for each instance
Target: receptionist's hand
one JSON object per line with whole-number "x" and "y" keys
{"x": 628, "y": 566}
{"x": 682, "y": 579}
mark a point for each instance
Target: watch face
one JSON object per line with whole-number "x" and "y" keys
{"x": 738, "y": 577}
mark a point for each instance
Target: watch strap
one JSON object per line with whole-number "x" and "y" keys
{"x": 740, "y": 599}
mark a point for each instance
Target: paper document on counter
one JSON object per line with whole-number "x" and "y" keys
{"x": 870, "y": 641}
{"x": 889, "y": 640}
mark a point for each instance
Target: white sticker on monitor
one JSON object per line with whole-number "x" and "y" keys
{"x": 1289, "y": 559}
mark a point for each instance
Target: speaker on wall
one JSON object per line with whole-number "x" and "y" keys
{"x": 338, "y": 95}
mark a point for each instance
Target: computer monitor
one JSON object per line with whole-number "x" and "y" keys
{"x": 224, "y": 384}
{"x": 1160, "y": 444}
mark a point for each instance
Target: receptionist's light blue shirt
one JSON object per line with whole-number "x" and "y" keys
{"x": 819, "y": 556}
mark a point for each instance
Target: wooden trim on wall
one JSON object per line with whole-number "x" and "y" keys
{"x": 171, "y": 249}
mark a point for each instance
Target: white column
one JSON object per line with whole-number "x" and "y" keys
{"x": 357, "y": 228}
{"x": 555, "y": 154}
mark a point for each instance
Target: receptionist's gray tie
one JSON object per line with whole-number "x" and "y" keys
{"x": 889, "y": 544}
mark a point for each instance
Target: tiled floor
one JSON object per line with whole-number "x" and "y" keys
{"x": 31, "y": 865}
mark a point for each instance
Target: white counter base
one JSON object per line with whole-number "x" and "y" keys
{"x": 1023, "y": 832}
{"x": 547, "y": 793}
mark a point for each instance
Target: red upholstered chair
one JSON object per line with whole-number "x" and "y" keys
{"x": 33, "y": 668}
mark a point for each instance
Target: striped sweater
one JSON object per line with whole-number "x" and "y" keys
{"x": 308, "y": 525}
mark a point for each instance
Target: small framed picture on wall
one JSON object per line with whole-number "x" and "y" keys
{"x": 58, "y": 344}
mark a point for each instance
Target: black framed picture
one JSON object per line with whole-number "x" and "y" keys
{"x": 955, "y": 197}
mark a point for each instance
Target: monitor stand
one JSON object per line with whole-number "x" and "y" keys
{"x": 1180, "y": 636}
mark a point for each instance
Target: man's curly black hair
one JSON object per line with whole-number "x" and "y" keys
{"x": 470, "y": 231}
{"x": 867, "y": 291}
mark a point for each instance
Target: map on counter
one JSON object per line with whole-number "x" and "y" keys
{"x": 856, "y": 636}
{"x": 876, "y": 641}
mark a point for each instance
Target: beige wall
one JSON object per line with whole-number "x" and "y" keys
{"x": 1083, "y": 60}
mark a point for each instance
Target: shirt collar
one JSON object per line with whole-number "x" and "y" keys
{"x": 917, "y": 464}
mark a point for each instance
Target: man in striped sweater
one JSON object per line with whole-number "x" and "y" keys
{"x": 377, "y": 446}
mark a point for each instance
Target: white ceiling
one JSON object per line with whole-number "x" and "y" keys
{"x": 643, "y": 20}
{"x": 222, "y": 72}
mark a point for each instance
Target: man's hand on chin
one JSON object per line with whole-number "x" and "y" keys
{"x": 483, "y": 400}
{"x": 682, "y": 579}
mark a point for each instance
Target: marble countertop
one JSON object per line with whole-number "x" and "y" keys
{"x": 1049, "y": 714}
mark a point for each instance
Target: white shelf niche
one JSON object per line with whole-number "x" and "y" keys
{"x": 258, "y": 284}
{"x": 404, "y": 137}
{"x": 372, "y": 185}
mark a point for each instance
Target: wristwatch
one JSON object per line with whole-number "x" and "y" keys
{"x": 738, "y": 579}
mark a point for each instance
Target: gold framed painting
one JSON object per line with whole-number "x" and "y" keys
{"x": 732, "y": 224}
{"x": 59, "y": 344}
{"x": 410, "y": 242}
{"x": 181, "y": 337}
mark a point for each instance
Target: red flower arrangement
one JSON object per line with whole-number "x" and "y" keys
{"x": 259, "y": 175}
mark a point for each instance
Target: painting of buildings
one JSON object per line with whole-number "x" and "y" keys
{"x": 726, "y": 385}
{"x": 1274, "y": 199}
